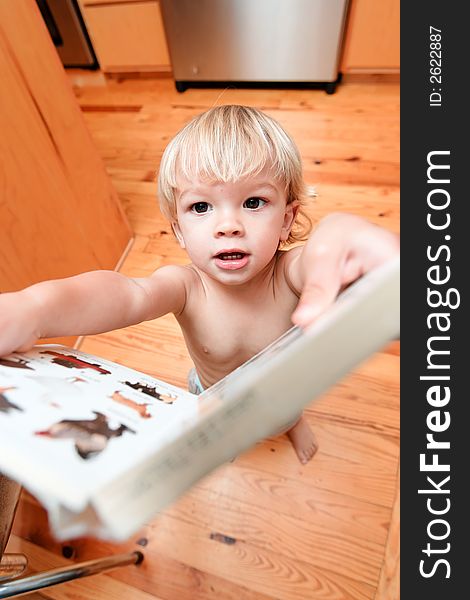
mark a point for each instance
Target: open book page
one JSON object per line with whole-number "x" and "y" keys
{"x": 71, "y": 422}
{"x": 149, "y": 464}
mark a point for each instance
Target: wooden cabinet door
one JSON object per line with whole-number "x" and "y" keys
{"x": 372, "y": 41}
{"x": 127, "y": 36}
{"x": 59, "y": 214}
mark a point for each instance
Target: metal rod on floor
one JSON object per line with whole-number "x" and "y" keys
{"x": 12, "y": 565}
{"x": 62, "y": 574}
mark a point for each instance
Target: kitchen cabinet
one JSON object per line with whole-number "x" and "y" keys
{"x": 59, "y": 214}
{"x": 372, "y": 43}
{"x": 127, "y": 36}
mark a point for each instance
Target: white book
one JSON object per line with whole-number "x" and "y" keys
{"x": 104, "y": 447}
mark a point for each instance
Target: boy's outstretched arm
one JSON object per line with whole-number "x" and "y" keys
{"x": 341, "y": 249}
{"x": 85, "y": 304}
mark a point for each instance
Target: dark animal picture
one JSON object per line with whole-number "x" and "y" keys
{"x": 72, "y": 362}
{"x": 91, "y": 436}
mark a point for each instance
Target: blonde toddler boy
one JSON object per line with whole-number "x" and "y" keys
{"x": 231, "y": 185}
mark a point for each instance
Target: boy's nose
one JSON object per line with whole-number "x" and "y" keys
{"x": 229, "y": 226}
{"x": 228, "y": 231}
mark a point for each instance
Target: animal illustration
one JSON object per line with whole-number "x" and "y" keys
{"x": 91, "y": 436}
{"x": 5, "y": 405}
{"x": 72, "y": 362}
{"x": 141, "y": 409}
{"x": 19, "y": 363}
{"x": 150, "y": 391}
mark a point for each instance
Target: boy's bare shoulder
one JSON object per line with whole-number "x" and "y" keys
{"x": 287, "y": 256}
{"x": 168, "y": 288}
{"x": 287, "y": 263}
{"x": 177, "y": 272}
{"x": 185, "y": 275}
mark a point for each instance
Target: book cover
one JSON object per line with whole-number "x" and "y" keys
{"x": 104, "y": 447}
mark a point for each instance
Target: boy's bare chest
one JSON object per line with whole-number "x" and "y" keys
{"x": 241, "y": 332}
{"x": 221, "y": 335}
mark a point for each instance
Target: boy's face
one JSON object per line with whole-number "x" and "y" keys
{"x": 231, "y": 231}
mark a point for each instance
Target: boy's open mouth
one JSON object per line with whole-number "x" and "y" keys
{"x": 230, "y": 255}
{"x": 231, "y": 260}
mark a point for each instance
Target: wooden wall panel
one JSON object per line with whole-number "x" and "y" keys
{"x": 59, "y": 214}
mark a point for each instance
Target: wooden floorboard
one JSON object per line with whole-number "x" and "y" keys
{"x": 262, "y": 527}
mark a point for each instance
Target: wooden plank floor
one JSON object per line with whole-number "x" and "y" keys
{"x": 263, "y": 526}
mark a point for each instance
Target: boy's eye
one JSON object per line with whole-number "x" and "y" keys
{"x": 254, "y": 203}
{"x": 200, "y": 207}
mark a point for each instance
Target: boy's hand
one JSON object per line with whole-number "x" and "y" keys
{"x": 341, "y": 249}
{"x": 18, "y": 323}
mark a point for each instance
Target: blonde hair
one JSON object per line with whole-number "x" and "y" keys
{"x": 228, "y": 143}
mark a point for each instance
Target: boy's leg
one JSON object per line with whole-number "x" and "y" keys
{"x": 303, "y": 439}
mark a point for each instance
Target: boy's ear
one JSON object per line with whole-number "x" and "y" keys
{"x": 289, "y": 218}
{"x": 177, "y": 231}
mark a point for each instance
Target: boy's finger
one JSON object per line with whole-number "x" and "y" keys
{"x": 321, "y": 287}
{"x": 313, "y": 302}
{"x": 319, "y": 292}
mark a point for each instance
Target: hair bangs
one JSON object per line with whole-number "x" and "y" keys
{"x": 224, "y": 150}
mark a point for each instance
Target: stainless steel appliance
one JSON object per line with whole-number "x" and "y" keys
{"x": 68, "y": 32}
{"x": 257, "y": 41}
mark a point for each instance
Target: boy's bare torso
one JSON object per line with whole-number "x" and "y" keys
{"x": 225, "y": 325}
